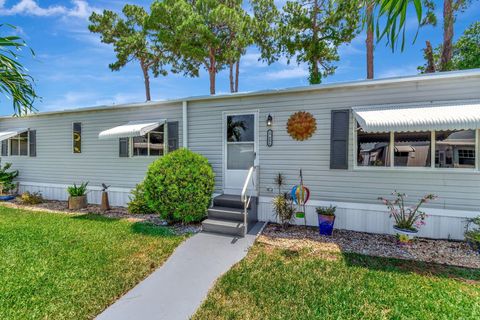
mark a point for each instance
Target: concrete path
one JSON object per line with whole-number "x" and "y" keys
{"x": 177, "y": 289}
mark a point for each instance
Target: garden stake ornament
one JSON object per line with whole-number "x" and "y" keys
{"x": 300, "y": 195}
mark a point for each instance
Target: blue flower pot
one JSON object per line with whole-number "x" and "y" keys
{"x": 6, "y": 198}
{"x": 325, "y": 224}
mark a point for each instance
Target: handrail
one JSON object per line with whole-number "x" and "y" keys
{"x": 243, "y": 197}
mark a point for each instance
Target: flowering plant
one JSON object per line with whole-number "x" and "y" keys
{"x": 407, "y": 217}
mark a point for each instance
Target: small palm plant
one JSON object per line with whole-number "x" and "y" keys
{"x": 78, "y": 191}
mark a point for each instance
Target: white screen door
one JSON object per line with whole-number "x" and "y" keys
{"x": 240, "y": 149}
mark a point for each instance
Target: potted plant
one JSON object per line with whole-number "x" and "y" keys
{"x": 472, "y": 235}
{"x": 7, "y": 187}
{"x": 78, "y": 196}
{"x": 407, "y": 218}
{"x": 326, "y": 219}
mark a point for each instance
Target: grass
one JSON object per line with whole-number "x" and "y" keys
{"x": 273, "y": 283}
{"x": 58, "y": 266}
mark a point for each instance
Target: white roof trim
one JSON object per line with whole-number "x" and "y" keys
{"x": 419, "y": 117}
{"x": 9, "y": 133}
{"x": 475, "y": 73}
{"x": 131, "y": 129}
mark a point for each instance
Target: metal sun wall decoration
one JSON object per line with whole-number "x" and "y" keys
{"x": 301, "y": 125}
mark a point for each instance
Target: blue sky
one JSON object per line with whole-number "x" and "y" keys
{"x": 71, "y": 64}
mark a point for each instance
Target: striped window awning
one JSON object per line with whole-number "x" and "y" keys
{"x": 452, "y": 116}
{"x": 9, "y": 133}
{"x": 131, "y": 129}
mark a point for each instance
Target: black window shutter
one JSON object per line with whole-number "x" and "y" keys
{"x": 4, "y": 148}
{"x": 172, "y": 135}
{"x": 32, "y": 140}
{"x": 340, "y": 124}
{"x": 123, "y": 147}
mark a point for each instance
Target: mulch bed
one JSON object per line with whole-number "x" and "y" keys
{"x": 455, "y": 253}
{"x": 114, "y": 212}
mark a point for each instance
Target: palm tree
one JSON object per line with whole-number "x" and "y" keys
{"x": 15, "y": 83}
{"x": 395, "y": 14}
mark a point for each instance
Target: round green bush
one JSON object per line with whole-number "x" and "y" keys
{"x": 179, "y": 186}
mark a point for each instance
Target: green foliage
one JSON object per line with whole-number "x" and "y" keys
{"x": 326, "y": 211}
{"x": 207, "y": 34}
{"x": 15, "y": 83}
{"x": 79, "y": 191}
{"x": 31, "y": 197}
{"x": 311, "y": 32}
{"x": 466, "y": 51}
{"x": 279, "y": 181}
{"x": 283, "y": 208}
{"x": 138, "y": 204}
{"x": 179, "y": 186}
{"x": 6, "y": 178}
{"x": 131, "y": 41}
{"x": 61, "y": 266}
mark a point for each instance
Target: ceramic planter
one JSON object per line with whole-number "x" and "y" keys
{"x": 76, "y": 203}
{"x": 6, "y": 197}
{"x": 405, "y": 235}
{"x": 325, "y": 224}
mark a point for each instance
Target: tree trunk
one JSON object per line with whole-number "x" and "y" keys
{"x": 448, "y": 19}
{"x": 146, "y": 78}
{"x": 314, "y": 72}
{"x": 232, "y": 85}
{"x": 369, "y": 41}
{"x": 212, "y": 71}
{"x": 237, "y": 73}
{"x": 430, "y": 59}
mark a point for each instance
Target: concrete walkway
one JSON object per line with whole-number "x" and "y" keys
{"x": 177, "y": 289}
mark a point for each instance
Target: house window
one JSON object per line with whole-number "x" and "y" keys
{"x": 373, "y": 149}
{"x": 449, "y": 149}
{"x": 77, "y": 137}
{"x": 455, "y": 149}
{"x": 412, "y": 149}
{"x": 151, "y": 144}
{"x": 19, "y": 145}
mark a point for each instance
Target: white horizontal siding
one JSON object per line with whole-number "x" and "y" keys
{"x": 99, "y": 161}
{"x": 456, "y": 190}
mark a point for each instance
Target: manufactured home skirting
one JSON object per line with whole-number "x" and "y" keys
{"x": 441, "y": 223}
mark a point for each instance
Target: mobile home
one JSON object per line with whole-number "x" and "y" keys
{"x": 416, "y": 134}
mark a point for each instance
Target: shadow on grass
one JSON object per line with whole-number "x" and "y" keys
{"x": 144, "y": 228}
{"x": 428, "y": 269}
{"x": 95, "y": 217}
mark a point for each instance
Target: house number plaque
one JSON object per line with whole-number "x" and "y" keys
{"x": 269, "y": 138}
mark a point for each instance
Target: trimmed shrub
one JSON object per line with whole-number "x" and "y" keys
{"x": 138, "y": 204}
{"x": 179, "y": 186}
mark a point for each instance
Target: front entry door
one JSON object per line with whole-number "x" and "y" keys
{"x": 240, "y": 137}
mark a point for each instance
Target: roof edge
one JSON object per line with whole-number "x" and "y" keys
{"x": 318, "y": 87}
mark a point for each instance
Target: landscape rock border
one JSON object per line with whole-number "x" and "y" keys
{"x": 452, "y": 253}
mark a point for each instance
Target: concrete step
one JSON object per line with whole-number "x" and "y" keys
{"x": 234, "y": 228}
{"x": 225, "y": 213}
{"x": 228, "y": 201}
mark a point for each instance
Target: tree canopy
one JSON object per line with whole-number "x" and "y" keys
{"x": 465, "y": 53}
{"x": 130, "y": 39}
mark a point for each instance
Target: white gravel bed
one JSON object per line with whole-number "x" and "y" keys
{"x": 454, "y": 253}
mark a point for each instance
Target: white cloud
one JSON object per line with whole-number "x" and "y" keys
{"x": 80, "y": 9}
{"x": 407, "y": 70}
{"x": 287, "y": 73}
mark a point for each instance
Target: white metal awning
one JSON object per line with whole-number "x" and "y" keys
{"x": 4, "y": 135}
{"x": 453, "y": 116}
{"x": 131, "y": 129}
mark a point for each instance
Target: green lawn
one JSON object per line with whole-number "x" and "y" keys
{"x": 58, "y": 266}
{"x": 272, "y": 283}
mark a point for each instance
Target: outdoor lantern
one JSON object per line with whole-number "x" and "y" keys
{"x": 269, "y": 120}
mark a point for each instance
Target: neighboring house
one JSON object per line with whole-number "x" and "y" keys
{"x": 428, "y": 124}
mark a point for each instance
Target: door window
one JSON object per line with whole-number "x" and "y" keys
{"x": 240, "y": 142}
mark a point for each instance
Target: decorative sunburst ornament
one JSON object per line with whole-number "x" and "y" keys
{"x": 301, "y": 125}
